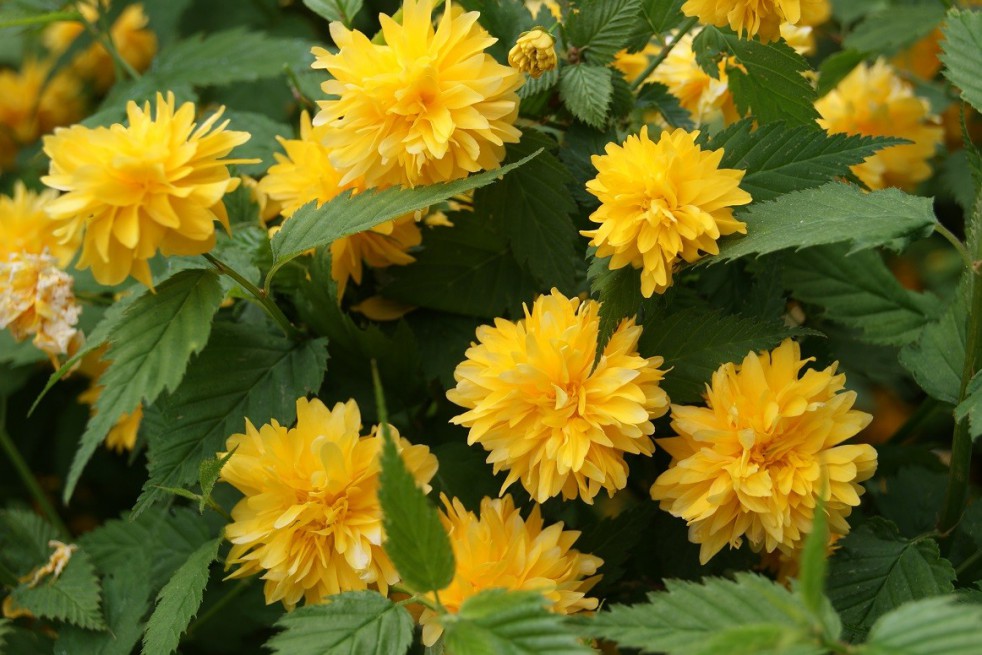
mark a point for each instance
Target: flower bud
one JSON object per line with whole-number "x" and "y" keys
{"x": 534, "y": 52}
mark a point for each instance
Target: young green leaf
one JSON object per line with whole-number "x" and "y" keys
{"x": 73, "y": 597}
{"x": 814, "y": 562}
{"x": 178, "y": 601}
{"x": 927, "y": 627}
{"x": 586, "y": 91}
{"x": 962, "y": 53}
{"x": 149, "y": 351}
{"x": 332, "y": 10}
{"x": 600, "y": 28}
{"x": 356, "y": 622}
{"x": 208, "y": 474}
{"x": 126, "y": 599}
{"x": 500, "y": 622}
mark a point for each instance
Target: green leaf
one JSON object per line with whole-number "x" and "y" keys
{"x": 356, "y": 622}
{"x": 313, "y": 227}
{"x": 780, "y": 159}
{"x": 937, "y": 358}
{"x": 655, "y": 95}
{"x": 887, "y": 31}
{"x": 927, "y": 627}
{"x": 767, "y": 81}
{"x": 534, "y": 208}
{"x": 500, "y": 622}
{"x": 698, "y": 618}
{"x": 24, "y": 540}
{"x": 208, "y": 474}
{"x": 600, "y": 28}
{"x": 126, "y": 600}
{"x": 834, "y": 213}
{"x": 814, "y": 563}
{"x": 262, "y": 145}
{"x": 970, "y": 408}
{"x": 342, "y": 10}
{"x": 962, "y": 53}
{"x": 662, "y": 15}
{"x": 587, "y": 91}
{"x": 178, "y": 601}
{"x": 619, "y": 292}
{"x": 245, "y": 372}
{"x": 875, "y": 571}
{"x": 697, "y": 341}
{"x": 859, "y": 291}
{"x": 73, "y": 596}
{"x": 836, "y": 67}
{"x": 149, "y": 351}
{"x": 415, "y": 540}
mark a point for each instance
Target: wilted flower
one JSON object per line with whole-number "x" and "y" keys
{"x": 156, "y": 184}
{"x": 534, "y": 52}
{"x": 661, "y": 202}
{"x": 305, "y": 173}
{"x": 26, "y": 228}
{"x": 428, "y": 106}
{"x": 499, "y": 549}
{"x": 36, "y": 298}
{"x": 756, "y": 17}
{"x": 874, "y": 101}
{"x": 754, "y": 462}
{"x": 311, "y": 520}
{"x": 546, "y": 413}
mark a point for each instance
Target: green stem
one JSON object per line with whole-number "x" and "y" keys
{"x": 102, "y": 35}
{"x": 956, "y": 242}
{"x": 94, "y": 298}
{"x": 24, "y": 472}
{"x": 294, "y": 84}
{"x": 271, "y": 308}
{"x": 654, "y": 63}
{"x": 220, "y": 604}
{"x": 41, "y": 19}
{"x": 969, "y": 561}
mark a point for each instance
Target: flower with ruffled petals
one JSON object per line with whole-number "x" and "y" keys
{"x": 501, "y": 550}
{"x": 305, "y": 173}
{"x": 428, "y": 106}
{"x": 154, "y": 185}
{"x": 875, "y": 101}
{"x": 546, "y": 412}
{"x": 311, "y": 520}
{"x": 36, "y": 298}
{"x": 26, "y": 228}
{"x": 662, "y": 202}
{"x": 756, "y": 17}
{"x": 754, "y": 462}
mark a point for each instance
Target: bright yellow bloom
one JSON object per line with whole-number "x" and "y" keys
{"x": 799, "y": 37}
{"x": 122, "y": 436}
{"x": 26, "y": 228}
{"x": 875, "y": 101}
{"x": 428, "y": 106}
{"x": 753, "y": 463}
{"x": 757, "y": 17}
{"x": 534, "y": 53}
{"x": 29, "y": 109}
{"x": 500, "y": 550}
{"x": 545, "y": 413}
{"x": 662, "y": 202}
{"x": 304, "y": 174}
{"x": 36, "y": 298}
{"x": 311, "y": 519}
{"x": 135, "y": 43}
{"x": 156, "y": 184}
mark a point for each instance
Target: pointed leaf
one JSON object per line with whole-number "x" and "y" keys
{"x": 962, "y": 53}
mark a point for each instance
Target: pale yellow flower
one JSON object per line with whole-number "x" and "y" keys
{"x": 428, "y": 106}
{"x": 761, "y": 18}
{"x": 753, "y": 463}
{"x": 36, "y": 298}
{"x": 800, "y": 37}
{"x": 875, "y": 101}
{"x": 154, "y": 185}
{"x": 534, "y": 53}
{"x": 310, "y": 521}
{"x": 660, "y": 203}
{"x": 29, "y": 109}
{"x": 501, "y": 550}
{"x": 546, "y": 412}
{"x": 26, "y": 228}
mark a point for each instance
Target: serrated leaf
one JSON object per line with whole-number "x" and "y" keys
{"x": 342, "y": 10}
{"x": 208, "y": 474}
{"x": 312, "y": 227}
{"x": 937, "y": 358}
{"x": 833, "y": 213}
{"x": 859, "y": 291}
{"x": 927, "y": 627}
{"x": 126, "y": 599}
{"x": 970, "y": 408}
{"x": 587, "y": 91}
{"x": 244, "y": 372}
{"x": 695, "y": 617}
{"x": 962, "y": 53}
{"x": 885, "y": 32}
{"x": 178, "y": 601}
{"x": 655, "y": 95}
{"x": 149, "y": 351}
{"x": 600, "y": 28}
{"x": 24, "y": 540}
{"x": 534, "y": 210}
{"x": 356, "y": 623}
{"x": 73, "y": 597}
{"x": 619, "y": 292}
{"x": 500, "y": 622}
{"x": 875, "y": 571}
{"x": 662, "y": 15}
{"x": 910, "y": 498}
{"x": 780, "y": 159}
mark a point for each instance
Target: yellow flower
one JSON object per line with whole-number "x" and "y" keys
{"x": 534, "y": 53}
{"x": 26, "y": 228}
{"x": 135, "y": 43}
{"x": 29, "y": 109}
{"x": 757, "y": 17}
{"x": 311, "y": 519}
{"x": 502, "y": 550}
{"x": 545, "y": 412}
{"x": 36, "y": 298}
{"x": 799, "y": 37}
{"x": 122, "y": 436}
{"x": 874, "y": 101}
{"x": 428, "y": 106}
{"x": 753, "y": 463}
{"x": 156, "y": 184}
{"x": 661, "y": 202}
{"x": 304, "y": 174}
